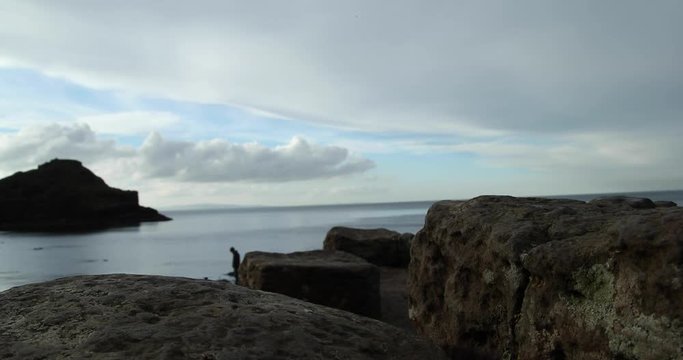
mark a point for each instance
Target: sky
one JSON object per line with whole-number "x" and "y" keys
{"x": 320, "y": 102}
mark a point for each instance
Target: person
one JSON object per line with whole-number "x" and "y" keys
{"x": 235, "y": 263}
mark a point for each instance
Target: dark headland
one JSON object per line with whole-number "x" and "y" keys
{"x": 64, "y": 196}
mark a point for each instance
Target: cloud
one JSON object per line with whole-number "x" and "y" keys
{"x": 479, "y": 68}
{"x": 35, "y": 145}
{"x": 219, "y": 160}
{"x": 583, "y": 90}
{"x": 130, "y": 122}
{"x": 617, "y": 160}
{"x": 214, "y": 160}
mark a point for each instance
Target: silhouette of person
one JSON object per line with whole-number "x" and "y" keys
{"x": 235, "y": 264}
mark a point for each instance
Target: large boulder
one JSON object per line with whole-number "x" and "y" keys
{"x": 526, "y": 278}
{"x": 332, "y": 278}
{"x": 381, "y": 247}
{"x": 62, "y": 195}
{"x": 154, "y": 317}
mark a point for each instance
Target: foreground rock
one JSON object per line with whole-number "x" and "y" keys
{"x": 381, "y": 247}
{"x": 62, "y": 195}
{"x": 332, "y": 278}
{"x": 153, "y": 317}
{"x": 551, "y": 279}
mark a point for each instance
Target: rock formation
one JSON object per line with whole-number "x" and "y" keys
{"x": 154, "y": 317}
{"x": 332, "y": 278}
{"x": 62, "y": 195}
{"x": 381, "y": 247}
{"x": 524, "y": 278}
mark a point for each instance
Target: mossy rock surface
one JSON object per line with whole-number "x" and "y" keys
{"x": 530, "y": 278}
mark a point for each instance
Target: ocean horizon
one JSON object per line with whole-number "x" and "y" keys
{"x": 195, "y": 244}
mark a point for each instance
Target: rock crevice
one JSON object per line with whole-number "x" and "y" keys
{"x": 519, "y": 297}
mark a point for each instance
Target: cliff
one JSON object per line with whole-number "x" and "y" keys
{"x": 526, "y": 278}
{"x": 62, "y": 195}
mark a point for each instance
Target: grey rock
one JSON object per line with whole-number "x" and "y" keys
{"x": 381, "y": 247}
{"x": 525, "y": 278}
{"x": 154, "y": 317}
{"x": 665, "y": 203}
{"x": 331, "y": 278}
{"x": 634, "y": 202}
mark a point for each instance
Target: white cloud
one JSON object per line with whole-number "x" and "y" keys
{"x": 130, "y": 122}
{"x": 219, "y": 160}
{"x": 204, "y": 161}
{"x": 449, "y": 66}
{"x": 603, "y": 157}
{"x": 587, "y": 90}
{"x": 35, "y": 145}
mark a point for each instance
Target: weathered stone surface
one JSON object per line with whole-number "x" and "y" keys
{"x": 153, "y": 317}
{"x": 332, "y": 278}
{"x": 634, "y": 202}
{"x": 62, "y": 195}
{"x": 664, "y": 203}
{"x": 381, "y": 247}
{"x": 523, "y": 278}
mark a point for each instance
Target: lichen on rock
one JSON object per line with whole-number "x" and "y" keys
{"x": 529, "y": 278}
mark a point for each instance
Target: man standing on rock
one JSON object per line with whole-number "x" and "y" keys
{"x": 235, "y": 264}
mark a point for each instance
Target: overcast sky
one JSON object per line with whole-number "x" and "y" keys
{"x": 304, "y": 102}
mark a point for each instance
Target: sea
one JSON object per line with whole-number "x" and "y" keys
{"x": 196, "y": 243}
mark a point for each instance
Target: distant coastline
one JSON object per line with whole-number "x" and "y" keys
{"x": 672, "y": 195}
{"x": 654, "y": 195}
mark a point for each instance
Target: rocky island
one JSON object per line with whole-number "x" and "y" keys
{"x": 64, "y": 196}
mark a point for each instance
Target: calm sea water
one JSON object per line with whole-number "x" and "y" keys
{"x": 195, "y": 244}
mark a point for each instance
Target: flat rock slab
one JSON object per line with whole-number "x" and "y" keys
{"x": 529, "y": 278}
{"x": 331, "y": 278}
{"x": 381, "y": 247}
{"x": 154, "y": 317}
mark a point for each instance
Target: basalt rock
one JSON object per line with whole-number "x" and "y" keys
{"x": 62, "y": 195}
{"x": 154, "y": 317}
{"x": 665, "y": 203}
{"x": 526, "y": 278}
{"x": 634, "y": 202}
{"x": 332, "y": 278}
{"x": 381, "y": 247}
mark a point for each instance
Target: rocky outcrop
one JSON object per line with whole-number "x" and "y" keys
{"x": 153, "y": 317}
{"x": 62, "y": 195}
{"x": 524, "y": 278}
{"x": 381, "y": 247}
{"x": 665, "y": 203}
{"x": 332, "y": 278}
